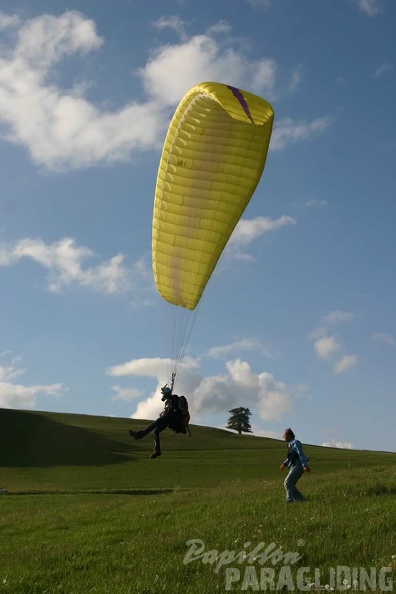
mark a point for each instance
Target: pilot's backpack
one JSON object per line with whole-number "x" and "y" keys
{"x": 182, "y": 406}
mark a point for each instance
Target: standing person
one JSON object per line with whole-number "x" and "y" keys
{"x": 173, "y": 416}
{"x": 297, "y": 463}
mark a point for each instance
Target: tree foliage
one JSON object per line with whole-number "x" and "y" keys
{"x": 239, "y": 420}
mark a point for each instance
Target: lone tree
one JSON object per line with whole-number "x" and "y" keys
{"x": 239, "y": 420}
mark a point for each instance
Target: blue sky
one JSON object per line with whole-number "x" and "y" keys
{"x": 298, "y": 321}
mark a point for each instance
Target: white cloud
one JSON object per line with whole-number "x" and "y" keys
{"x": 381, "y": 70}
{"x": 207, "y": 59}
{"x": 260, "y": 3}
{"x": 260, "y": 432}
{"x": 125, "y": 393}
{"x": 7, "y": 373}
{"x": 274, "y": 397}
{"x": 370, "y": 7}
{"x": 345, "y": 363}
{"x": 8, "y": 20}
{"x": 384, "y": 338}
{"x": 64, "y": 261}
{"x": 247, "y": 230}
{"x": 344, "y": 445}
{"x": 326, "y": 346}
{"x": 155, "y": 367}
{"x": 158, "y": 369}
{"x": 314, "y": 203}
{"x": 318, "y": 332}
{"x": 211, "y": 395}
{"x": 19, "y": 396}
{"x": 338, "y": 317}
{"x": 287, "y": 131}
{"x": 172, "y": 22}
{"x": 296, "y": 77}
{"x": 62, "y": 129}
{"x": 44, "y": 41}
{"x": 22, "y": 396}
{"x": 301, "y": 392}
{"x": 246, "y": 344}
{"x": 219, "y": 28}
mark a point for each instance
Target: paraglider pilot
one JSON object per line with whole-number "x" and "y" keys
{"x": 171, "y": 417}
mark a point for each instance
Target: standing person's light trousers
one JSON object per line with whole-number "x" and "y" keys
{"x": 292, "y": 493}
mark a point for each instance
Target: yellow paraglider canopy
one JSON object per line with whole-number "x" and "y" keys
{"x": 212, "y": 160}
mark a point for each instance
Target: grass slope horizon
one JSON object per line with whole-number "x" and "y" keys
{"x": 87, "y": 511}
{"x": 51, "y": 452}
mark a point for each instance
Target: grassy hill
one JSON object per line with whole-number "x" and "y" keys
{"x": 52, "y": 451}
{"x": 87, "y": 511}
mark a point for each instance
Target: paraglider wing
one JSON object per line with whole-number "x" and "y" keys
{"x": 212, "y": 160}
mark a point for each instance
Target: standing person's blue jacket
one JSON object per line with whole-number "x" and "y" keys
{"x": 295, "y": 454}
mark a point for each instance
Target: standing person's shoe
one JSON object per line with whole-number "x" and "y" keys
{"x": 155, "y": 454}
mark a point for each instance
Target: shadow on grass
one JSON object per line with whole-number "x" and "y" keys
{"x": 380, "y": 490}
{"x": 28, "y": 439}
{"x": 94, "y": 492}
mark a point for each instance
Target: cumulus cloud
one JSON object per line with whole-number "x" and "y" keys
{"x": 370, "y": 7}
{"x": 211, "y": 395}
{"x": 344, "y": 445}
{"x": 296, "y": 77}
{"x": 384, "y": 338}
{"x": 246, "y": 344}
{"x": 345, "y": 363}
{"x": 326, "y": 346}
{"x": 172, "y": 22}
{"x": 260, "y": 432}
{"x": 64, "y": 262}
{"x": 16, "y": 395}
{"x": 154, "y": 367}
{"x": 247, "y": 230}
{"x": 8, "y": 21}
{"x": 207, "y": 59}
{"x": 61, "y": 128}
{"x": 381, "y": 70}
{"x": 10, "y": 372}
{"x": 125, "y": 394}
{"x": 260, "y": 3}
{"x": 338, "y": 317}
{"x": 314, "y": 203}
{"x": 21, "y": 396}
{"x": 287, "y": 131}
{"x": 158, "y": 369}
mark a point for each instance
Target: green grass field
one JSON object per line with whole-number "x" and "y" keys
{"x": 88, "y": 511}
